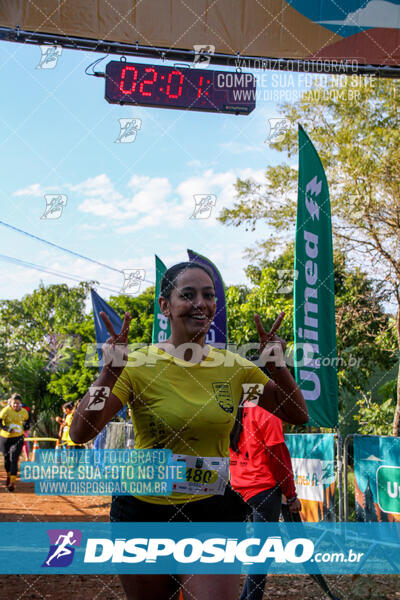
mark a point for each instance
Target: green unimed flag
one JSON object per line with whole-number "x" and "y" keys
{"x": 314, "y": 299}
{"x": 161, "y": 328}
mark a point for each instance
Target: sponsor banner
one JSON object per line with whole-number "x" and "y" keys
{"x": 377, "y": 478}
{"x": 218, "y": 333}
{"x": 353, "y": 32}
{"x": 313, "y": 462}
{"x": 286, "y": 548}
{"x": 314, "y": 298}
{"x": 161, "y": 328}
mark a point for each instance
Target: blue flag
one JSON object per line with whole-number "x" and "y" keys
{"x": 101, "y": 330}
{"x": 100, "y": 305}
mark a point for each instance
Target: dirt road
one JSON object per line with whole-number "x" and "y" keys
{"x": 24, "y": 505}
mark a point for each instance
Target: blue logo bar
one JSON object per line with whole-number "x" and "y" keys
{"x": 286, "y": 548}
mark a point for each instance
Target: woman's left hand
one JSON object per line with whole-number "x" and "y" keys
{"x": 271, "y": 345}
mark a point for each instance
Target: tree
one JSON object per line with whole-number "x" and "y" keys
{"x": 360, "y": 319}
{"x": 141, "y": 308}
{"x": 26, "y": 325}
{"x": 355, "y": 128}
{"x": 39, "y": 342}
{"x": 44, "y": 339}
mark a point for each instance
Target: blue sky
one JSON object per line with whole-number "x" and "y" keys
{"x": 125, "y": 201}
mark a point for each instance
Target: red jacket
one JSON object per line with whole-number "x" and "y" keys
{"x": 263, "y": 460}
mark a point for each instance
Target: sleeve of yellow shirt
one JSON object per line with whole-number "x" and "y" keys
{"x": 255, "y": 375}
{"x": 124, "y": 386}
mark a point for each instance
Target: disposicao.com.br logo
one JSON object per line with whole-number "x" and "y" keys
{"x": 180, "y": 547}
{"x": 193, "y": 550}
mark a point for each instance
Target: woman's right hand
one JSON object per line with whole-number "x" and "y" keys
{"x": 115, "y": 348}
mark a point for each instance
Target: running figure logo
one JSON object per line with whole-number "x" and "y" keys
{"x": 277, "y": 129}
{"x": 203, "y": 53}
{"x": 50, "y": 56}
{"x": 128, "y": 130}
{"x": 204, "y": 203}
{"x": 54, "y": 206}
{"x": 132, "y": 280}
{"x": 62, "y": 547}
{"x": 252, "y": 392}
{"x": 98, "y": 396}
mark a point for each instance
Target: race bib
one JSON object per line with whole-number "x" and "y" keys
{"x": 15, "y": 428}
{"x": 208, "y": 475}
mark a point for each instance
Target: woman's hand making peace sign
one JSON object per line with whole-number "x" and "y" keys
{"x": 272, "y": 347}
{"x": 281, "y": 395}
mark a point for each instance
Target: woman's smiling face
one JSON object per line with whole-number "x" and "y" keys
{"x": 15, "y": 404}
{"x": 191, "y": 306}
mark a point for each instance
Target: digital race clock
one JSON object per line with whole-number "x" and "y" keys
{"x": 180, "y": 87}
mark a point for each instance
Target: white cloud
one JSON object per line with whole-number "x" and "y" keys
{"x": 220, "y": 184}
{"x": 377, "y": 13}
{"x": 150, "y": 193}
{"x": 34, "y": 189}
{"x": 100, "y": 197}
{"x": 151, "y": 201}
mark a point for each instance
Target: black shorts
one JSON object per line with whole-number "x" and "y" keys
{"x": 227, "y": 508}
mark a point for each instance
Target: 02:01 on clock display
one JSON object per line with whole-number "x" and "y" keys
{"x": 180, "y": 88}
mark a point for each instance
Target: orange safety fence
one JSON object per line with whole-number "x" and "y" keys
{"x": 36, "y": 441}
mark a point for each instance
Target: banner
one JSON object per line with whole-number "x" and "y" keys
{"x": 218, "y": 333}
{"x": 85, "y": 548}
{"x": 100, "y": 305}
{"x": 359, "y": 31}
{"x": 161, "y": 328}
{"x": 314, "y": 299}
{"x": 313, "y": 462}
{"x": 377, "y": 478}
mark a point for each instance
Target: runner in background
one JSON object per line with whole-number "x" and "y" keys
{"x": 261, "y": 470}
{"x": 13, "y": 420}
{"x": 65, "y": 424}
{"x": 66, "y": 408}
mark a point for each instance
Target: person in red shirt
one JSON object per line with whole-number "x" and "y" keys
{"x": 261, "y": 470}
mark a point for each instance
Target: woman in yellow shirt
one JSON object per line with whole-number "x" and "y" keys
{"x": 184, "y": 395}
{"x": 65, "y": 424}
{"x": 13, "y": 420}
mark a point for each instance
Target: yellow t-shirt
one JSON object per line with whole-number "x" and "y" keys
{"x": 185, "y": 407}
{"x": 65, "y": 434}
{"x": 14, "y": 419}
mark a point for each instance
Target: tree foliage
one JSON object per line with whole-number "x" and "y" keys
{"x": 357, "y": 135}
{"x": 44, "y": 339}
{"x": 360, "y": 319}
